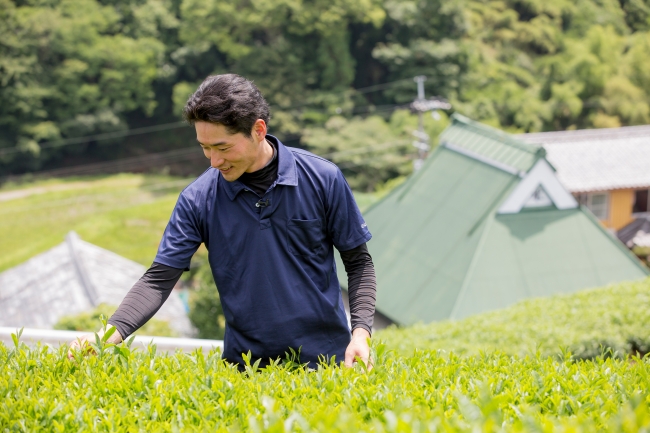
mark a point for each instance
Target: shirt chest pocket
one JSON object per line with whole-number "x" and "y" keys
{"x": 304, "y": 237}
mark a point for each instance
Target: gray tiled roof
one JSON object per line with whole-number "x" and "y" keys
{"x": 70, "y": 278}
{"x": 636, "y": 233}
{"x": 598, "y": 159}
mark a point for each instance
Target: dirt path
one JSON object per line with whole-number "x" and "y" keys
{"x": 22, "y": 193}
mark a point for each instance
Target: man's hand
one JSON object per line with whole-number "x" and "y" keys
{"x": 83, "y": 342}
{"x": 358, "y": 347}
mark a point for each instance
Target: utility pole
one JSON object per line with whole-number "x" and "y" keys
{"x": 421, "y": 105}
{"x": 422, "y": 142}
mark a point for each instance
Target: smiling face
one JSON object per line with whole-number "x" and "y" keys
{"x": 234, "y": 154}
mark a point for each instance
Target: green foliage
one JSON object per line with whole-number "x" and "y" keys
{"x": 89, "y": 321}
{"x": 370, "y": 151}
{"x": 489, "y": 373}
{"x": 589, "y": 323}
{"x": 525, "y": 66}
{"x": 206, "y": 313}
{"x": 74, "y": 67}
{"x": 125, "y": 389}
{"x": 71, "y": 68}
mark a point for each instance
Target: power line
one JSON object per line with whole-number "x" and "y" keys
{"x": 104, "y": 136}
{"x": 383, "y": 86}
{"x": 160, "y": 158}
{"x": 149, "y": 160}
{"x": 365, "y": 162}
{"x": 175, "y": 155}
{"x": 175, "y": 125}
{"x": 362, "y": 90}
{"x": 186, "y": 181}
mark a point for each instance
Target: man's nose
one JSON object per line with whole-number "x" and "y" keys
{"x": 216, "y": 160}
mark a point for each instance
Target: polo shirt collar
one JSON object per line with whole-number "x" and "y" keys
{"x": 286, "y": 170}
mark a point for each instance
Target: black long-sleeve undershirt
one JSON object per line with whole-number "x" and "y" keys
{"x": 362, "y": 286}
{"x": 150, "y": 292}
{"x": 145, "y": 298}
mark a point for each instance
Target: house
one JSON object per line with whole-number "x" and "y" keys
{"x": 607, "y": 170}
{"x": 483, "y": 224}
{"x": 73, "y": 277}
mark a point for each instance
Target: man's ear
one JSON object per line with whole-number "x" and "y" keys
{"x": 259, "y": 130}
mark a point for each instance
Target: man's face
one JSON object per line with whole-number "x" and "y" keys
{"x": 231, "y": 154}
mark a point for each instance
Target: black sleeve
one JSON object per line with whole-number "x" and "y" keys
{"x": 145, "y": 298}
{"x": 362, "y": 286}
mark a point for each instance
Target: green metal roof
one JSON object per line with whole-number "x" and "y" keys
{"x": 540, "y": 253}
{"x": 491, "y": 143}
{"x": 441, "y": 251}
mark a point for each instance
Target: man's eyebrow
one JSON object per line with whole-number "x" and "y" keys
{"x": 221, "y": 143}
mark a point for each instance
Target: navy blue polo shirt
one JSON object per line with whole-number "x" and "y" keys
{"x": 273, "y": 264}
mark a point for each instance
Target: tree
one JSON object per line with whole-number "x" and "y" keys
{"x": 370, "y": 151}
{"x": 69, "y": 69}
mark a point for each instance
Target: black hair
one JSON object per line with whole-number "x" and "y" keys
{"x": 230, "y": 100}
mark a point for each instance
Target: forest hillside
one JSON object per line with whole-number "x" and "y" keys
{"x": 73, "y": 69}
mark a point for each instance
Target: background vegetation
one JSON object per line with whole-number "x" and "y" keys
{"x": 77, "y": 68}
{"x": 90, "y": 322}
{"x": 610, "y": 321}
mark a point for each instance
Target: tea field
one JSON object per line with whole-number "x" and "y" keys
{"x": 507, "y": 371}
{"x": 614, "y": 319}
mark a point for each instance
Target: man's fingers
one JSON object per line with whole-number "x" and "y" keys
{"x": 352, "y": 357}
{"x": 73, "y": 346}
{"x": 79, "y": 344}
{"x": 349, "y": 358}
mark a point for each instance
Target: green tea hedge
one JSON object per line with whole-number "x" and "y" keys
{"x": 614, "y": 321}
{"x": 120, "y": 390}
{"x": 504, "y": 380}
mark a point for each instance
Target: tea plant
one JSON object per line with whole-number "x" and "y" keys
{"x": 121, "y": 389}
{"x": 613, "y": 320}
{"x": 499, "y": 377}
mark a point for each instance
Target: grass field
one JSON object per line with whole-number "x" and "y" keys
{"x": 125, "y": 213}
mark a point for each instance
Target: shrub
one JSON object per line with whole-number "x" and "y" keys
{"x": 125, "y": 390}
{"x": 206, "y": 313}
{"x": 89, "y": 321}
{"x": 613, "y": 320}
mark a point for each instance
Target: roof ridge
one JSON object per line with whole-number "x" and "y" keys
{"x": 589, "y": 134}
{"x": 497, "y": 134}
{"x": 71, "y": 240}
{"x": 488, "y": 217}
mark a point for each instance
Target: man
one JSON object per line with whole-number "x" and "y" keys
{"x": 269, "y": 216}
